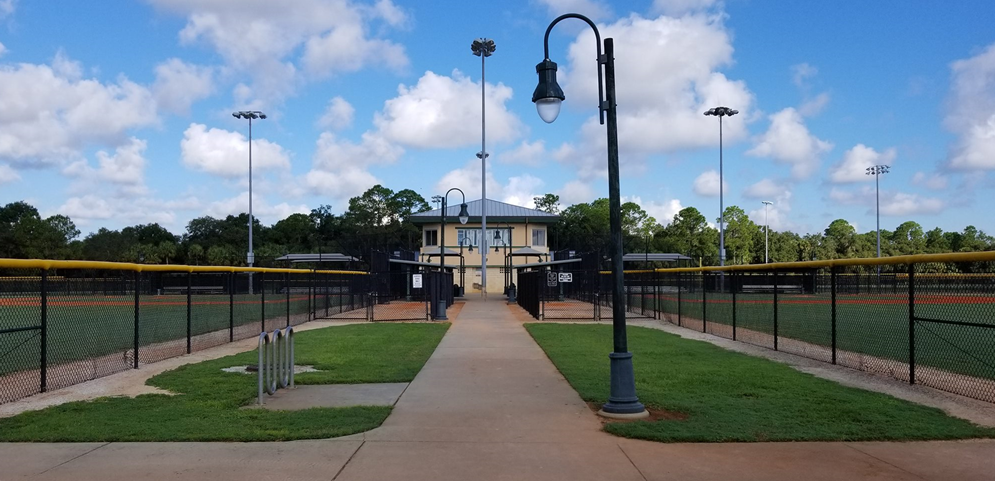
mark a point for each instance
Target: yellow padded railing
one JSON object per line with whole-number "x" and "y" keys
{"x": 985, "y": 256}
{"x": 127, "y": 266}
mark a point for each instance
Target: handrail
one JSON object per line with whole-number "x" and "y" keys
{"x": 128, "y": 266}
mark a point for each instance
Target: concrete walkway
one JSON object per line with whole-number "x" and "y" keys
{"x": 490, "y": 405}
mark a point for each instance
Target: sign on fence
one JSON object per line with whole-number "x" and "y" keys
{"x": 566, "y": 277}
{"x": 416, "y": 281}
{"x": 551, "y": 279}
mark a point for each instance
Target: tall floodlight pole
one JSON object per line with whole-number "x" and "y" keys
{"x": 877, "y": 171}
{"x": 622, "y": 399}
{"x": 721, "y": 112}
{"x": 483, "y": 48}
{"x": 767, "y": 204}
{"x": 463, "y": 217}
{"x": 249, "y": 115}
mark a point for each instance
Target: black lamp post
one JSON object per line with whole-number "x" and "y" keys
{"x": 463, "y": 217}
{"x": 507, "y": 246}
{"x": 622, "y": 401}
{"x": 462, "y": 263}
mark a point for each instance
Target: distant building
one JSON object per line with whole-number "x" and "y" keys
{"x": 518, "y": 233}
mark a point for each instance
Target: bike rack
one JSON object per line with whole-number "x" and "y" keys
{"x": 276, "y": 361}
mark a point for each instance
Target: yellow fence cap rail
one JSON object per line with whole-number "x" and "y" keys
{"x": 127, "y": 266}
{"x": 986, "y": 256}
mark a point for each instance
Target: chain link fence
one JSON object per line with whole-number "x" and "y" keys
{"x": 66, "y": 322}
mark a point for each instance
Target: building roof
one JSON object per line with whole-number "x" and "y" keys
{"x": 496, "y": 211}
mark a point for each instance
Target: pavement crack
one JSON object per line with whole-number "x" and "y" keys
{"x": 346, "y": 463}
{"x": 73, "y": 458}
{"x": 620, "y": 448}
{"x": 865, "y": 453}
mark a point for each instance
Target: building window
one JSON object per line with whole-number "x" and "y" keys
{"x": 539, "y": 237}
{"x": 431, "y": 237}
{"x": 471, "y": 237}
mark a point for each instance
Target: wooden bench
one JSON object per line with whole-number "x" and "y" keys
{"x": 764, "y": 288}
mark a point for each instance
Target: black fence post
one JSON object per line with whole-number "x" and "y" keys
{"x": 189, "y": 300}
{"x": 656, "y": 294}
{"x": 138, "y": 281}
{"x": 44, "y": 330}
{"x": 912, "y": 323}
{"x": 775, "y": 309}
{"x": 704, "y": 303}
{"x": 262, "y": 298}
{"x": 326, "y": 278}
{"x": 286, "y": 282}
{"x": 732, "y": 286}
{"x": 832, "y": 290}
{"x": 680, "y": 276}
{"x": 231, "y": 306}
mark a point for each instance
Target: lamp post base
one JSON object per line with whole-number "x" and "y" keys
{"x": 623, "y": 402}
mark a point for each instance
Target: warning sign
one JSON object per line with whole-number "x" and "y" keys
{"x": 566, "y": 277}
{"x": 416, "y": 281}
{"x": 551, "y": 278}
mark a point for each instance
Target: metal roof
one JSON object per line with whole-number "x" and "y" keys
{"x": 526, "y": 251}
{"x": 417, "y": 263}
{"x": 549, "y": 263}
{"x": 434, "y": 251}
{"x": 498, "y": 211}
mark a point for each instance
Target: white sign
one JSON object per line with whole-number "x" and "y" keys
{"x": 566, "y": 277}
{"x": 416, "y": 281}
{"x": 551, "y": 279}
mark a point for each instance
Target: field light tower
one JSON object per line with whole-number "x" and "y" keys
{"x": 877, "y": 171}
{"x": 721, "y": 112}
{"x": 483, "y": 48}
{"x": 767, "y": 204}
{"x": 622, "y": 399}
{"x": 249, "y": 115}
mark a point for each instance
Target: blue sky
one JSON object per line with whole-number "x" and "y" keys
{"x": 119, "y": 112}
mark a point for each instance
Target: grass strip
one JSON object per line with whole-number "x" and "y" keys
{"x": 729, "y": 396}
{"x": 207, "y": 407}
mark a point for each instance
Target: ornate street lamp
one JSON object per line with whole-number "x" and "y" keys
{"x": 463, "y": 217}
{"x": 622, "y": 400}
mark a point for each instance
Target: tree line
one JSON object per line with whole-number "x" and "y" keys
{"x": 378, "y": 219}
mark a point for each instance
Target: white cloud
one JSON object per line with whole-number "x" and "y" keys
{"x": 338, "y": 115}
{"x": 8, "y": 174}
{"x": 970, "y": 108}
{"x": 339, "y": 166}
{"x": 266, "y": 213}
{"x": 776, "y": 215}
{"x": 50, "y": 113}
{"x": 934, "y": 181}
{"x": 676, "y": 8}
{"x": 575, "y": 192}
{"x": 707, "y": 184}
{"x": 853, "y": 167}
{"x": 800, "y": 73}
{"x": 226, "y": 154}
{"x": 593, "y": 9}
{"x": 522, "y": 190}
{"x": 86, "y": 209}
{"x": 764, "y": 189}
{"x": 3, "y": 50}
{"x": 814, "y": 105}
{"x": 7, "y": 7}
{"x": 263, "y": 39}
{"x": 179, "y": 84}
{"x": 467, "y": 178}
{"x": 788, "y": 141}
{"x": 444, "y": 112}
{"x": 663, "y": 212}
{"x": 124, "y": 169}
{"x": 892, "y": 203}
{"x": 527, "y": 153}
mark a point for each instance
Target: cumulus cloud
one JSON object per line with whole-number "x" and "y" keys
{"x": 522, "y": 190}
{"x": 225, "y": 153}
{"x": 125, "y": 169}
{"x": 707, "y": 184}
{"x": 777, "y": 214}
{"x": 676, "y": 8}
{"x": 892, "y": 203}
{"x": 88, "y": 209}
{"x": 50, "y": 113}
{"x": 853, "y": 167}
{"x": 179, "y": 84}
{"x": 970, "y": 107}
{"x": 593, "y": 9}
{"x": 338, "y": 115}
{"x": 800, "y": 73}
{"x": 7, "y": 7}
{"x": 934, "y": 181}
{"x": 764, "y": 189}
{"x": 267, "y": 40}
{"x": 575, "y": 192}
{"x": 339, "y": 166}
{"x": 8, "y": 174}
{"x": 527, "y": 153}
{"x": 788, "y": 141}
{"x": 261, "y": 209}
{"x": 444, "y": 112}
{"x": 814, "y": 105}
{"x": 467, "y": 178}
{"x": 663, "y": 212}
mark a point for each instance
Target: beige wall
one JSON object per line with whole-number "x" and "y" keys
{"x": 520, "y": 237}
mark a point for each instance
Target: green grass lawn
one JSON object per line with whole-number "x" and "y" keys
{"x": 728, "y": 396}
{"x": 208, "y": 406}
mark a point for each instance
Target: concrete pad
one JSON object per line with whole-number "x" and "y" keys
{"x": 478, "y": 461}
{"x": 333, "y": 396}
{"x": 960, "y": 460}
{"x": 758, "y": 462}
{"x": 298, "y": 460}
{"x": 22, "y": 460}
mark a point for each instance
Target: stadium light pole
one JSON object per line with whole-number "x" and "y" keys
{"x": 721, "y": 112}
{"x": 463, "y": 217}
{"x": 767, "y": 204}
{"x": 622, "y": 399}
{"x": 483, "y": 48}
{"x": 249, "y": 115}
{"x": 877, "y": 171}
